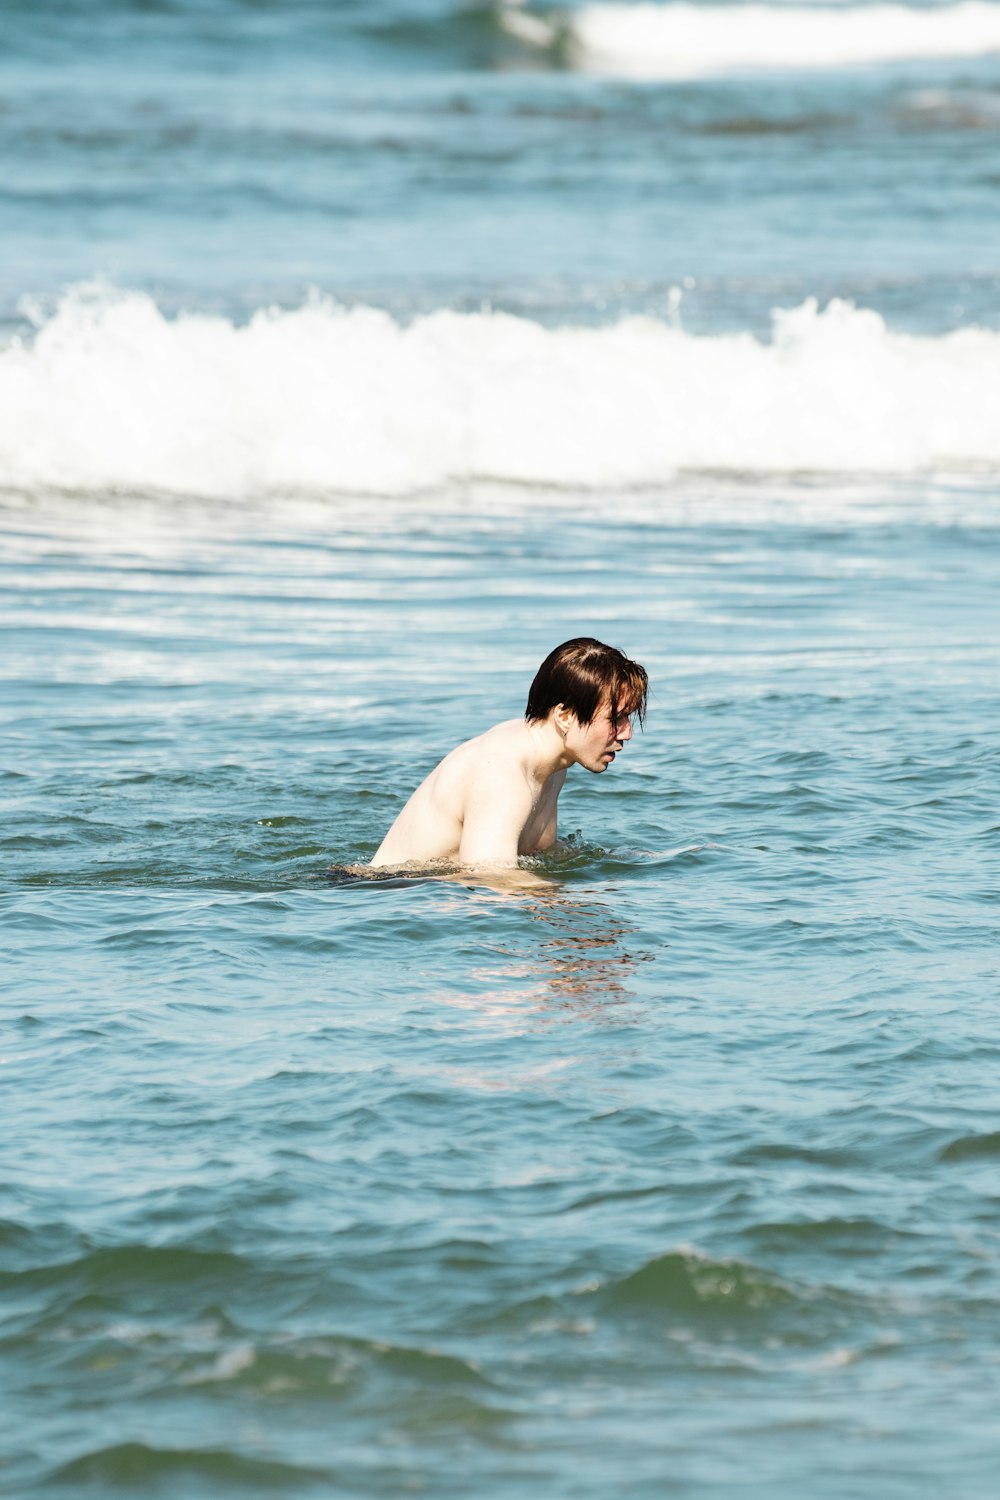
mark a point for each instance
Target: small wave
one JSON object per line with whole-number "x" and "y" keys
{"x": 112, "y": 394}
{"x": 471, "y": 31}
{"x": 23, "y": 1247}
{"x": 678, "y": 41}
{"x": 120, "y": 1270}
{"x": 321, "y": 1364}
{"x": 973, "y": 1148}
{"x": 768, "y": 1152}
{"x": 685, "y": 1281}
{"x": 849, "y": 1236}
{"x": 138, "y": 1463}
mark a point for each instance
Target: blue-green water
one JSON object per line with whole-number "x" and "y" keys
{"x": 351, "y": 357}
{"x": 680, "y": 1177}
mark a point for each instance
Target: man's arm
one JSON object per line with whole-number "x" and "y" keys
{"x": 498, "y": 805}
{"x": 548, "y": 838}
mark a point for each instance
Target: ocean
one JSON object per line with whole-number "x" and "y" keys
{"x": 352, "y": 356}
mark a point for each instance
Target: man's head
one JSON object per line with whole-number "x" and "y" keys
{"x": 588, "y": 679}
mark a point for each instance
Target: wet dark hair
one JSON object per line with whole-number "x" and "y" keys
{"x": 579, "y": 674}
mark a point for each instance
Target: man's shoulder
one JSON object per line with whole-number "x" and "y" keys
{"x": 498, "y": 744}
{"x": 503, "y": 748}
{"x": 508, "y": 741}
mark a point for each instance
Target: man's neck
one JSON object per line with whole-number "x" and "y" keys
{"x": 548, "y": 750}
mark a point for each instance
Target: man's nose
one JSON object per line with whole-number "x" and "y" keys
{"x": 624, "y": 729}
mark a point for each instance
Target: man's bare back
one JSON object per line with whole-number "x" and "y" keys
{"x": 495, "y": 797}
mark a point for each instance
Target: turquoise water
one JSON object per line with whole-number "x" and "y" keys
{"x": 678, "y": 1177}
{"x": 351, "y": 357}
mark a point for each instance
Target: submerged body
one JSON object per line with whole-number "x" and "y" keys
{"x": 495, "y": 797}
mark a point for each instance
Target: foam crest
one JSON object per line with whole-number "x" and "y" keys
{"x": 696, "y": 41}
{"x": 111, "y": 393}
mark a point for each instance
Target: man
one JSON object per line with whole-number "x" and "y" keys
{"x": 495, "y": 796}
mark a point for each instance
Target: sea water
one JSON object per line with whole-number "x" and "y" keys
{"x": 354, "y": 355}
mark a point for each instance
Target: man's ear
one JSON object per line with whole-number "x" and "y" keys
{"x": 563, "y": 718}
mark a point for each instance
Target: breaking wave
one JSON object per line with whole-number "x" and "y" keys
{"x": 112, "y": 393}
{"x": 678, "y": 41}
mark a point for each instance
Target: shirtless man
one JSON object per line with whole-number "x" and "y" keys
{"x": 495, "y": 796}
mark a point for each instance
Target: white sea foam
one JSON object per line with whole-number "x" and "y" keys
{"x": 111, "y": 393}
{"x": 697, "y": 41}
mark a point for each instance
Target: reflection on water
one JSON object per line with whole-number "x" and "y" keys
{"x": 580, "y": 955}
{"x": 554, "y": 947}
{"x": 584, "y": 958}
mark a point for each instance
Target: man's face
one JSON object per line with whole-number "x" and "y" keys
{"x": 596, "y": 744}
